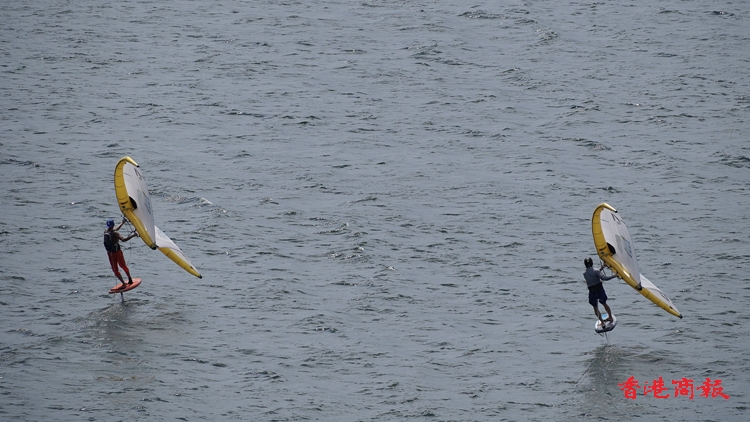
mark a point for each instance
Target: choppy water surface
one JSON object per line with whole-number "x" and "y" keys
{"x": 389, "y": 201}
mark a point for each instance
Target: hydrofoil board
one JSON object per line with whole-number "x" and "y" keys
{"x": 608, "y": 326}
{"x": 122, "y": 288}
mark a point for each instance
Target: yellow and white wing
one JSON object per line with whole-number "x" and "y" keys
{"x": 133, "y": 199}
{"x": 135, "y": 204}
{"x": 615, "y": 247}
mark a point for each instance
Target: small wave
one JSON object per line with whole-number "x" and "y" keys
{"x": 367, "y": 199}
{"x": 422, "y": 47}
{"x": 24, "y": 163}
{"x": 195, "y": 201}
{"x": 480, "y": 14}
{"x": 22, "y": 331}
{"x": 342, "y": 227}
{"x": 737, "y": 161}
{"x": 244, "y": 113}
{"x": 354, "y": 51}
{"x": 204, "y": 201}
{"x": 726, "y": 240}
{"x": 596, "y": 146}
{"x": 546, "y": 36}
{"x": 263, "y": 375}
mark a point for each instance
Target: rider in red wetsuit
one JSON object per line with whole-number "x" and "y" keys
{"x": 112, "y": 244}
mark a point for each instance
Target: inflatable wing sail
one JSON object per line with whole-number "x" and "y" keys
{"x": 132, "y": 196}
{"x": 135, "y": 204}
{"x": 168, "y": 248}
{"x": 615, "y": 248}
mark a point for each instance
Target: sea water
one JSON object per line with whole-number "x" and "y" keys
{"x": 389, "y": 203}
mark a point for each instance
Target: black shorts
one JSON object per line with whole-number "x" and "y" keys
{"x": 597, "y": 292}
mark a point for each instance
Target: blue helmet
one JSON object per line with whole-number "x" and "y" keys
{"x": 110, "y": 223}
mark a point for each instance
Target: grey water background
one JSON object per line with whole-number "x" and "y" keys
{"x": 389, "y": 202}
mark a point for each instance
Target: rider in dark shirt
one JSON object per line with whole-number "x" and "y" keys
{"x": 594, "y": 280}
